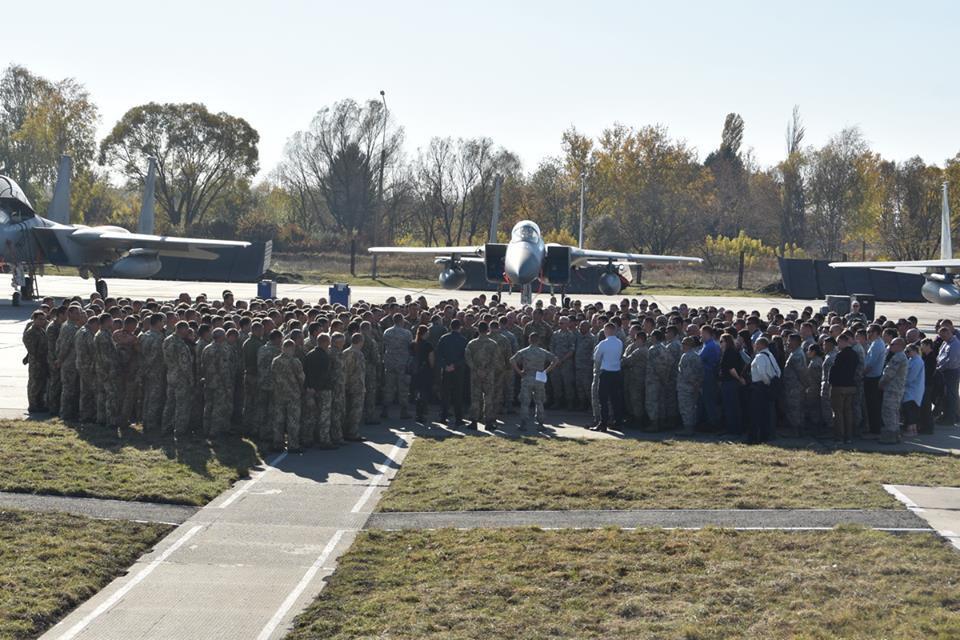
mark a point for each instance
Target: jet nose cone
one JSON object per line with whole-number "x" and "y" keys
{"x": 522, "y": 264}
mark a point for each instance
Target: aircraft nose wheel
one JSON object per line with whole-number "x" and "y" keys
{"x": 102, "y": 288}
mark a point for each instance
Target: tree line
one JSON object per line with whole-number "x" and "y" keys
{"x": 645, "y": 189}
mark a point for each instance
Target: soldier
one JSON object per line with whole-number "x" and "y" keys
{"x": 893, "y": 381}
{"x": 154, "y": 374}
{"x": 52, "y": 334}
{"x": 181, "y": 376}
{"x": 502, "y": 369}
{"x": 355, "y": 388}
{"x": 812, "y": 396}
{"x": 235, "y": 379}
{"x": 318, "y": 385}
{"x": 528, "y": 363}
{"x": 67, "y": 363}
{"x": 481, "y": 356}
{"x": 265, "y": 356}
{"x": 655, "y": 377}
{"x": 563, "y": 346}
{"x": 583, "y": 364}
{"x": 288, "y": 378}
{"x": 372, "y": 366}
{"x": 35, "y": 340}
{"x": 108, "y": 372}
{"x": 396, "y": 356}
{"x": 252, "y": 410}
{"x": 128, "y": 358}
{"x": 87, "y": 370}
{"x": 689, "y": 380}
{"x": 635, "y": 376}
{"x": 506, "y": 392}
{"x": 538, "y": 326}
{"x": 826, "y": 408}
{"x": 217, "y": 384}
{"x": 673, "y": 352}
{"x": 337, "y": 405}
{"x": 795, "y": 384}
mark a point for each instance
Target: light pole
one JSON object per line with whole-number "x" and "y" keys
{"x": 583, "y": 204}
{"x": 383, "y": 160}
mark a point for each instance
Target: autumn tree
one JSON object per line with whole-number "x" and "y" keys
{"x": 200, "y": 155}
{"x": 909, "y": 220}
{"x": 793, "y": 208}
{"x": 730, "y": 180}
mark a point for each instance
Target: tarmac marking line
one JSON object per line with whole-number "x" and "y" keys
{"x": 252, "y": 481}
{"x": 374, "y": 481}
{"x": 899, "y": 495}
{"x": 122, "y": 591}
{"x": 291, "y": 598}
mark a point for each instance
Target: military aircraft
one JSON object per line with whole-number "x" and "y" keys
{"x": 526, "y": 258}
{"x": 941, "y": 286}
{"x": 29, "y": 241}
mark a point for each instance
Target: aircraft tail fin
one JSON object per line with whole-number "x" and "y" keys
{"x": 495, "y": 219}
{"x": 145, "y": 224}
{"x": 59, "y": 210}
{"x": 946, "y": 242}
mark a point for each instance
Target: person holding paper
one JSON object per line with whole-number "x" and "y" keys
{"x": 532, "y": 364}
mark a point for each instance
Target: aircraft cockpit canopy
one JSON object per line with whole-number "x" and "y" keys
{"x": 525, "y": 231}
{"x": 13, "y": 202}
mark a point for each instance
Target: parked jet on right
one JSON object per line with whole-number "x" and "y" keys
{"x": 941, "y": 286}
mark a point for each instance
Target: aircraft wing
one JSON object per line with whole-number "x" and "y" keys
{"x": 905, "y": 266}
{"x": 163, "y": 245}
{"x": 433, "y": 251}
{"x": 590, "y": 255}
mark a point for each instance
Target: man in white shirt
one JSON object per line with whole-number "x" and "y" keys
{"x": 764, "y": 370}
{"x": 607, "y": 355}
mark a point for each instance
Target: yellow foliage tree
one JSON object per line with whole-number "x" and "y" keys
{"x": 560, "y": 236}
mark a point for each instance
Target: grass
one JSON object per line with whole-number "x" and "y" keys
{"x": 649, "y": 583}
{"x": 52, "y": 458}
{"x": 472, "y": 473}
{"x": 50, "y": 563}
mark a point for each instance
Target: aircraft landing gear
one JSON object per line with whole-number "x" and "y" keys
{"x": 526, "y": 294}
{"x": 102, "y": 288}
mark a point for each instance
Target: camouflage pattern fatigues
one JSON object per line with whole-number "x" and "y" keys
{"x": 153, "y": 380}
{"x": 689, "y": 382}
{"x": 53, "y": 382}
{"x": 252, "y": 410}
{"x": 338, "y": 397}
{"x": 892, "y": 382}
{"x": 181, "y": 379}
{"x": 657, "y": 360}
{"x": 35, "y": 340}
{"x": 562, "y": 378}
{"x": 795, "y": 389}
{"x": 634, "y": 364}
{"x": 217, "y": 372}
{"x": 87, "y": 374}
{"x": 481, "y": 356}
{"x": 69, "y": 377}
{"x": 354, "y": 376}
{"x": 108, "y": 372}
{"x": 531, "y": 360}
{"x": 265, "y": 356}
{"x": 288, "y": 379}
{"x": 371, "y": 372}
{"x": 396, "y": 378}
{"x": 583, "y": 367}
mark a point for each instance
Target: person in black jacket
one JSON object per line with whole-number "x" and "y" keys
{"x": 843, "y": 388}
{"x": 318, "y": 386}
{"x": 453, "y": 367}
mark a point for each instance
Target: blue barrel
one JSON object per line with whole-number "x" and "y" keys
{"x": 266, "y": 289}
{"x": 340, "y": 294}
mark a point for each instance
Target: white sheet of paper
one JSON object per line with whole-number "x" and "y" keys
{"x": 541, "y": 376}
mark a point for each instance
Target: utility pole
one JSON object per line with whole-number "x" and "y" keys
{"x": 495, "y": 218}
{"x": 583, "y": 205}
{"x": 383, "y": 208}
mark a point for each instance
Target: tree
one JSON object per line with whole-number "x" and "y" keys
{"x": 837, "y": 190}
{"x": 793, "y": 201}
{"x": 199, "y": 155}
{"x": 729, "y": 180}
{"x": 909, "y": 219}
{"x": 332, "y": 166}
{"x": 41, "y": 120}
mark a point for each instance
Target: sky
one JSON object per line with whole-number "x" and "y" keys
{"x": 520, "y": 72}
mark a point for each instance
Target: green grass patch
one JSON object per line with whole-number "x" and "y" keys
{"x": 53, "y": 458}
{"x": 474, "y": 473}
{"x": 649, "y": 583}
{"x": 50, "y": 563}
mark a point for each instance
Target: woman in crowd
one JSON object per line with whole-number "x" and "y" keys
{"x": 731, "y": 381}
{"x": 422, "y": 363}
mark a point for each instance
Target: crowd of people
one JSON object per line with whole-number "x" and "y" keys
{"x": 299, "y": 375}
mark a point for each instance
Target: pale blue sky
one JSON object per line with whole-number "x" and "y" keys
{"x": 520, "y": 72}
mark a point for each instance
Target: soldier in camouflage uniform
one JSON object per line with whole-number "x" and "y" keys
{"x": 795, "y": 384}
{"x": 481, "y": 357}
{"x": 217, "y": 384}
{"x": 252, "y": 410}
{"x": 53, "y": 365}
{"x": 67, "y": 363}
{"x": 128, "y": 387}
{"x": 87, "y": 370}
{"x": 355, "y": 378}
{"x": 811, "y": 400}
{"x": 826, "y": 408}
{"x": 154, "y": 375}
{"x": 541, "y": 328}
{"x": 634, "y": 364}
{"x": 583, "y": 364}
{"x": 288, "y": 378}
{"x": 372, "y": 366}
{"x": 563, "y": 345}
{"x": 689, "y": 382}
{"x": 35, "y": 340}
{"x": 337, "y": 398}
{"x": 265, "y": 356}
{"x": 673, "y": 352}
{"x": 181, "y": 378}
{"x": 527, "y": 362}
{"x": 655, "y": 377}
{"x": 108, "y": 371}
{"x": 396, "y": 356}
{"x": 502, "y": 371}
{"x": 892, "y": 382}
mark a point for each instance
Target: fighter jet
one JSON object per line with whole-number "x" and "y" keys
{"x": 29, "y": 241}
{"x": 526, "y": 258}
{"x": 940, "y": 286}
